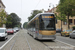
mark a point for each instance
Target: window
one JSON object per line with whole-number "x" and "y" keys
{"x": 47, "y": 25}
{"x": 1, "y": 30}
{"x": 65, "y": 22}
{"x": 70, "y": 21}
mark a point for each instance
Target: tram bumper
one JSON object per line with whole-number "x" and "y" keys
{"x": 46, "y": 37}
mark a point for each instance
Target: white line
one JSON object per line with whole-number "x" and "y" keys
{"x": 65, "y": 43}
{"x": 7, "y": 41}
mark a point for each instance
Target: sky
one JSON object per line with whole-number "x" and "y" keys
{"x": 23, "y": 8}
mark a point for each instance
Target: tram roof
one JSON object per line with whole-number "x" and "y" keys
{"x": 38, "y": 15}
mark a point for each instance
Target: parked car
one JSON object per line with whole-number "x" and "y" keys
{"x": 3, "y": 34}
{"x": 58, "y": 30}
{"x": 17, "y": 29}
{"x": 66, "y": 32}
{"x": 14, "y": 30}
{"x": 72, "y": 35}
{"x": 10, "y": 31}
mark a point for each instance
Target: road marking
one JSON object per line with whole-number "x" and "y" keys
{"x": 7, "y": 41}
{"x": 65, "y": 43}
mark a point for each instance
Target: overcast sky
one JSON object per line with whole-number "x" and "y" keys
{"x": 23, "y": 8}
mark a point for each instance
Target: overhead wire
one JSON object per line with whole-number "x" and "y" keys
{"x": 21, "y": 7}
{"x": 21, "y": 12}
{"x": 37, "y": 3}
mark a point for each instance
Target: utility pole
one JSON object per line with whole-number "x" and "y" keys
{"x": 53, "y": 8}
{"x": 61, "y": 22}
{"x": 50, "y": 6}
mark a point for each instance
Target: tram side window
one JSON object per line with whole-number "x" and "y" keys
{"x": 37, "y": 24}
{"x": 33, "y": 25}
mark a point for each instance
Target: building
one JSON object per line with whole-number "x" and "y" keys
{"x": 52, "y": 10}
{"x": 2, "y": 7}
{"x": 64, "y": 24}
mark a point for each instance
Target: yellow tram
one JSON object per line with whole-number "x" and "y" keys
{"x": 42, "y": 26}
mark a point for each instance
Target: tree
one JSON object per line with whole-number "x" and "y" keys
{"x": 62, "y": 1}
{"x": 66, "y": 7}
{"x": 13, "y": 20}
{"x": 9, "y": 21}
{"x": 25, "y": 25}
{"x": 2, "y": 18}
{"x": 35, "y": 12}
{"x": 61, "y": 16}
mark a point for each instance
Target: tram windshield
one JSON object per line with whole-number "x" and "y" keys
{"x": 47, "y": 23}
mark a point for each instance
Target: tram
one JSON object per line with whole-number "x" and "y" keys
{"x": 42, "y": 26}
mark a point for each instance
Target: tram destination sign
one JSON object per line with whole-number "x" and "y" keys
{"x": 47, "y": 16}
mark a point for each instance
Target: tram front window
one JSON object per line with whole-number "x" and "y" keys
{"x": 47, "y": 25}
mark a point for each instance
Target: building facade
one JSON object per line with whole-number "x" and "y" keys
{"x": 2, "y": 7}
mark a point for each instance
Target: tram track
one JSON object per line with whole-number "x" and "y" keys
{"x": 15, "y": 40}
{"x": 56, "y": 45}
{"x": 47, "y": 46}
{"x": 28, "y": 43}
{"x": 13, "y": 44}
